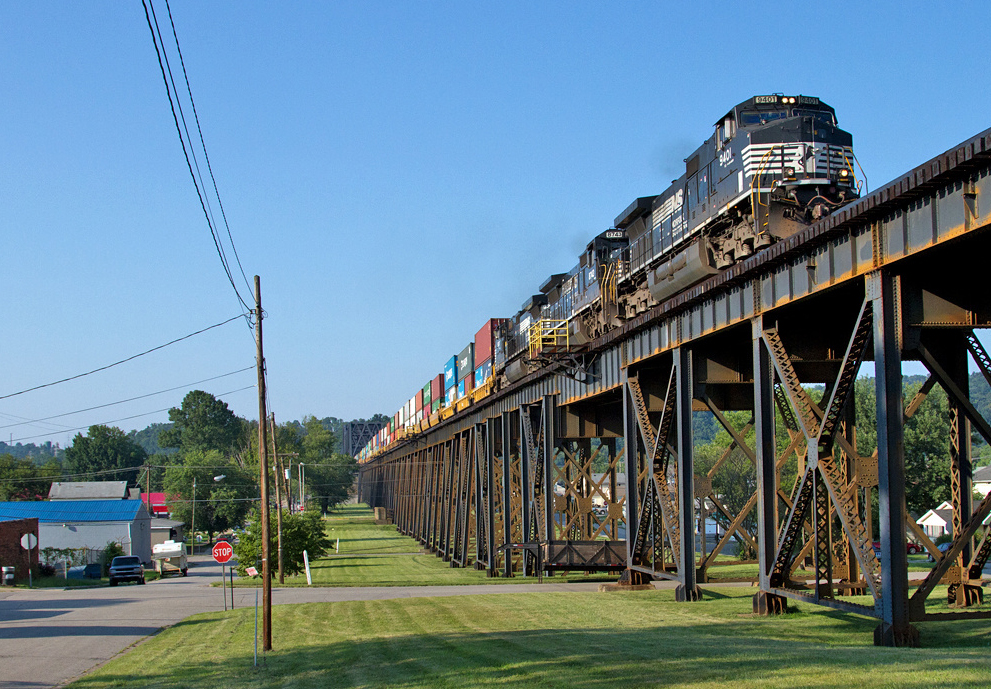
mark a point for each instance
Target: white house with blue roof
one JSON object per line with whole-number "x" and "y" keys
{"x": 87, "y": 523}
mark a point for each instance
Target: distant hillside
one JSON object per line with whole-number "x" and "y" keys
{"x": 39, "y": 454}
{"x": 147, "y": 438}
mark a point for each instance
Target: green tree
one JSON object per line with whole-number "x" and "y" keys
{"x": 329, "y": 474}
{"x": 220, "y": 504}
{"x": 299, "y": 532}
{"x": 101, "y": 449}
{"x": 22, "y": 479}
{"x": 927, "y": 452}
{"x": 202, "y": 423}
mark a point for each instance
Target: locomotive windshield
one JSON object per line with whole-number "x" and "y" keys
{"x": 821, "y": 117}
{"x": 751, "y": 118}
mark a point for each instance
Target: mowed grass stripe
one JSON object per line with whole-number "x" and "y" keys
{"x": 573, "y": 640}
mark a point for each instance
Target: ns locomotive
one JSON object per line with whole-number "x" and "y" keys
{"x": 773, "y": 165}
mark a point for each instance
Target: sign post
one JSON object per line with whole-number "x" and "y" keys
{"x": 222, "y": 552}
{"x": 28, "y": 542}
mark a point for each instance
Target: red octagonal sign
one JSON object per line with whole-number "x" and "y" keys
{"x": 222, "y": 552}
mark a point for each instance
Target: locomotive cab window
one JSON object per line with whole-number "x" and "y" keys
{"x": 752, "y": 118}
{"x": 725, "y": 131}
{"x": 819, "y": 116}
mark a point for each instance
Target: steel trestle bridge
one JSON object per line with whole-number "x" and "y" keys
{"x": 595, "y": 471}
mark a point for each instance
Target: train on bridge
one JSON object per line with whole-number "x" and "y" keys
{"x": 773, "y": 165}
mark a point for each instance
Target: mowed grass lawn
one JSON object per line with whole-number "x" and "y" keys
{"x": 567, "y": 640}
{"x": 377, "y": 555}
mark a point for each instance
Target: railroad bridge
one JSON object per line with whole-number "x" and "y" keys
{"x": 595, "y": 470}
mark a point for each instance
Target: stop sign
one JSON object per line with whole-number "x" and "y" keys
{"x": 222, "y": 552}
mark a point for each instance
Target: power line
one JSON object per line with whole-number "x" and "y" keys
{"x": 122, "y": 361}
{"x": 125, "y": 418}
{"x": 206, "y": 155}
{"x": 132, "y": 399}
{"x": 163, "y": 63}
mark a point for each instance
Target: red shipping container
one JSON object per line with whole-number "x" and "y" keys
{"x": 437, "y": 388}
{"x": 470, "y": 383}
{"x": 419, "y": 400}
{"x": 485, "y": 339}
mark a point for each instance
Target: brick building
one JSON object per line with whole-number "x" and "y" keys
{"x": 11, "y": 552}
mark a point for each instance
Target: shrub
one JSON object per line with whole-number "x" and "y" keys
{"x": 299, "y": 532}
{"x": 112, "y": 550}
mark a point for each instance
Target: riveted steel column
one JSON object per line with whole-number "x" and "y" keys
{"x": 688, "y": 589}
{"x": 507, "y": 494}
{"x": 526, "y": 484}
{"x": 489, "y": 469}
{"x": 895, "y": 629}
{"x": 631, "y": 439}
{"x": 765, "y": 602}
{"x": 549, "y": 416}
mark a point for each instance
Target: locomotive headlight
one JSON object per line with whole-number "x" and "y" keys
{"x": 789, "y": 100}
{"x": 789, "y": 172}
{"x": 844, "y": 173}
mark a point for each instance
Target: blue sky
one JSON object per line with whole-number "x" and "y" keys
{"x": 395, "y": 172}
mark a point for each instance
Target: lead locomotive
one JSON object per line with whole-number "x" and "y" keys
{"x": 773, "y": 165}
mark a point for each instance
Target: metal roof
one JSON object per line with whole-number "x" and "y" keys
{"x": 75, "y": 511}
{"x": 88, "y": 490}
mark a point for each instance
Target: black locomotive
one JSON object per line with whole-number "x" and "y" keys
{"x": 773, "y": 165}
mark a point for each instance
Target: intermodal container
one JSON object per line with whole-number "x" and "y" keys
{"x": 469, "y": 382}
{"x": 418, "y": 400}
{"x": 483, "y": 372}
{"x": 435, "y": 406}
{"x": 466, "y": 362}
{"x": 426, "y": 396}
{"x": 485, "y": 339}
{"x": 452, "y": 395}
{"x": 461, "y": 389}
{"x": 437, "y": 389}
{"x": 451, "y": 372}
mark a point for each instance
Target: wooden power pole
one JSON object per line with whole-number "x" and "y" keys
{"x": 263, "y": 461}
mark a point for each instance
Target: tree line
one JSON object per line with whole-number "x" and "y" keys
{"x": 204, "y": 445}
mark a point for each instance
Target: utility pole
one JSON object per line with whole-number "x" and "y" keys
{"x": 192, "y": 523}
{"x": 278, "y": 494}
{"x": 148, "y": 488}
{"x": 263, "y": 461}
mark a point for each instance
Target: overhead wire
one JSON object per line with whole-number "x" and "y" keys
{"x": 123, "y": 418}
{"x": 166, "y": 70}
{"x": 131, "y": 399}
{"x": 122, "y": 361}
{"x": 206, "y": 155}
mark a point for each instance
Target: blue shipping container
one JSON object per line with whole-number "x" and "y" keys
{"x": 483, "y": 373}
{"x": 452, "y": 394}
{"x": 461, "y": 389}
{"x": 451, "y": 372}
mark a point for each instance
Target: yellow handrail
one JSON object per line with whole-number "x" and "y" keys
{"x": 548, "y": 334}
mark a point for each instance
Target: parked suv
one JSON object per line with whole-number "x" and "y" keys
{"x": 126, "y": 568}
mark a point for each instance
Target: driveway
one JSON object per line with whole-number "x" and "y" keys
{"x": 50, "y": 636}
